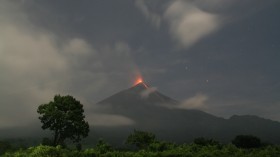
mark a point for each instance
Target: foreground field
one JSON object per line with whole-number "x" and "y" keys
{"x": 156, "y": 150}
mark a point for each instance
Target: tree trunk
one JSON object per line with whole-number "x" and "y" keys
{"x": 55, "y": 138}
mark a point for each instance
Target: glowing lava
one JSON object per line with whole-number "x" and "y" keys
{"x": 138, "y": 81}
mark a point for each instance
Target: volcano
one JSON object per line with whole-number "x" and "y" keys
{"x": 152, "y": 111}
{"x": 139, "y": 96}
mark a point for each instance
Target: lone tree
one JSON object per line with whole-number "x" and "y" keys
{"x": 65, "y": 117}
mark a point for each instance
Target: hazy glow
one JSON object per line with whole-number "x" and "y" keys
{"x": 140, "y": 80}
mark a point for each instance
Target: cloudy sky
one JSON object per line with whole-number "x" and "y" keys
{"x": 222, "y": 57}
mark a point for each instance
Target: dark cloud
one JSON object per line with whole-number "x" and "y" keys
{"x": 219, "y": 56}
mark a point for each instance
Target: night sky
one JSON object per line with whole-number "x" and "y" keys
{"x": 218, "y": 56}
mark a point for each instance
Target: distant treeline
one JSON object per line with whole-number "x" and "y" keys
{"x": 145, "y": 144}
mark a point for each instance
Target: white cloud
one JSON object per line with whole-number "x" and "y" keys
{"x": 22, "y": 52}
{"x": 190, "y": 21}
{"x": 196, "y": 102}
{"x": 36, "y": 64}
{"x": 78, "y": 46}
{"x": 154, "y": 18}
{"x": 189, "y": 24}
{"x": 122, "y": 49}
{"x": 147, "y": 92}
{"x": 33, "y": 69}
{"x": 109, "y": 120}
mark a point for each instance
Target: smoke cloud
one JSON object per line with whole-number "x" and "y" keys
{"x": 195, "y": 102}
{"x": 109, "y": 120}
{"x": 148, "y": 91}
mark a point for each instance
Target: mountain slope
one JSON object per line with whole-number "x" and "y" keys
{"x": 137, "y": 95}
{"x": 148, "y": 109}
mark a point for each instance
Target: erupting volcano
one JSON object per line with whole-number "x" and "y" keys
{"x": 139, "y": 80}
{"x": 148, "y": 109}
{"x": 137, "y": 96}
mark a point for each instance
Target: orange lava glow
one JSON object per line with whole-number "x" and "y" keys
{"x": 140, "y": 80}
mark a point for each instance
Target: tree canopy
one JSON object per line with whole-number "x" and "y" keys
{"x": 141, "y": 139}
{"x": 246, "y": 141}
{"x": 65, "y": 117}
{"x": 204, "y": 141}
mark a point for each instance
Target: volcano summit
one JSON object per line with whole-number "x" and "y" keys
{"x": 140, "y": 95}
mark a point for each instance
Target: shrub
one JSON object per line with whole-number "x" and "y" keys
{"x": 246, "y": 141}
{"x": 141, "y": 139}
{"x": 103, "y": 147}
{"x": 204, "y": 142}
{"x": 4, "y": 146}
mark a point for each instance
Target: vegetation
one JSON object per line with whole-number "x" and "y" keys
{"x": 102, "y": 147}
{"x": 4, "y": 146}
{"x": 141, "y": 139}
{"x": 65, "y": 117}
{"x": 246, "y": 141}
{"x": 184, "y": 150}
{"x": 205, "y": 142}
{"x": 150, "y": 147}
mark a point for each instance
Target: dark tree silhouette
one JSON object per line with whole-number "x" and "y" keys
{"x": 4, "y": 146}
{"x": 65, "y": 117}
{"x": 246, "y": 141}
{"x": 103, "y": 146}
{"x": 204, "y": 141}
{"x": 141, "y": 139}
